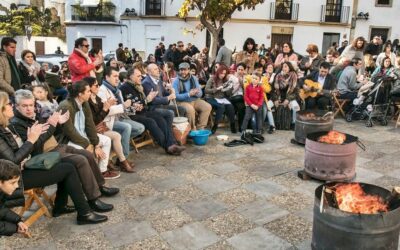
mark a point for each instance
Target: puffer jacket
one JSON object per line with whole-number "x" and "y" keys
{"x": 9, "y": 149}
{"x": 79, "y": 67}
{"x": 5, "y": 74}
{"x": 8, "y": 219}
{"x": 19, "y": 126}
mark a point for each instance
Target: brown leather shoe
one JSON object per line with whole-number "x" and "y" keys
{"x": 112, "y": 167}
{"x": 172, "y": 149}
{"x": 126, "y": 167}
{"x": 175, "y": 149}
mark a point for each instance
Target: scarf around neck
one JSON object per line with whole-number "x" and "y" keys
{"x": 116, "y": 92}
{"x": 87, "y": 58}
{"x": 33, "y": 70}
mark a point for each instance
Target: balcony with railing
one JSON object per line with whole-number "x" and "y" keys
{"x": 284, "y": 10}
{"x": 103, "y": 12}
{"x": 335, "y": 14}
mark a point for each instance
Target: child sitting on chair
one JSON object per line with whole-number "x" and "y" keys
{"x": 10, "y": 222}
{"x": 253, "y": 98}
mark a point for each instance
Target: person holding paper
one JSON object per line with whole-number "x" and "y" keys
{"x": 218, "y": 88}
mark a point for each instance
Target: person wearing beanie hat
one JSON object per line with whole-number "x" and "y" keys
{"x": 188, "y": 94}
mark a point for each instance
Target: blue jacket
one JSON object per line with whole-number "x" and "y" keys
{"x": 182, "y": 89}
{"x": 162, "y": 99}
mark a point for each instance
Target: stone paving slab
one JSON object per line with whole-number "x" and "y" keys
{"x": 261, "y": 211}
{"x": 190, "y": 237}
{"x": 265, "y": 188}
{"x": 204, "y": 208}
{"x": 214, "y": 197}
{"x": 215, "y": 185}
{"x": 146, "y": 205}
{"x": 128, "y": 232}
{"x": 164, "y": 184}
{"x": 258, "y": 239}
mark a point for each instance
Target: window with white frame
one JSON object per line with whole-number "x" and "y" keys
{"x": 383, "y": 3}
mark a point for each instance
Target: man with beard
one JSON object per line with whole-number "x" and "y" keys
{"x": 158, "y": 123}
{"x": 188, "y": 93}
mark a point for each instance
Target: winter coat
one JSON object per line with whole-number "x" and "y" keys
{"x": 19, "y": 126}
{"x": 9, "y": 149}
{"x": 8, "y": 219}
{"x": 69, "y": 132}
{"x": 161, "y": 98}
{"x": 115, "y": 111}
{"x": 27, "y": 78}
{"x": 79, "y": 66}
{"x": 249, "y": 58}
{"x": 254, "y": 95}
{"x": 5, "y": 74}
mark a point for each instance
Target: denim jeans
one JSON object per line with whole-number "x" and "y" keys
{"x": 62, "y": 92}
{"x": 220, "y": 109}
{"x": 128, "y": 129}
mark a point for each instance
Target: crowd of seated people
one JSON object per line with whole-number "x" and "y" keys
{"x": 87, "y": 109}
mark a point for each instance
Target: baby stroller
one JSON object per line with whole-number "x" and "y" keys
{"x": 373, "y": 102}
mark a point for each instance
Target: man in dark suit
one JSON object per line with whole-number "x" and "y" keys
{"x": 328, "y": 82}
{"x": 153, "y": 82}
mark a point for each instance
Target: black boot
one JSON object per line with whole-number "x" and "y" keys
{"x": 214, "y": 128}
{"x": 233, "y": 128}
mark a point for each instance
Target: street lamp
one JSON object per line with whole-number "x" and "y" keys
{"x": 28, "y": 31}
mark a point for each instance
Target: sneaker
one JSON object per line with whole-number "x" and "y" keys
{"x": 271, "y": 130}
{"x": 109, "y": 175}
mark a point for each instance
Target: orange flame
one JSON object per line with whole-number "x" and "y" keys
{"x": 352, "y": 198}
{"x": 333, "y": 137}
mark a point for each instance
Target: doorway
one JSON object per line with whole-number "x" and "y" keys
{"x": 328, "y": 40}
{"x": 97, "y": 43}
{"x": 280, "y": 39}
{"x": 39, "y": 48}
{"x": 153, "y": 38}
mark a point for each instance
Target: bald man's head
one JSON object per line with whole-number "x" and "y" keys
{"x": 153, "y": 70}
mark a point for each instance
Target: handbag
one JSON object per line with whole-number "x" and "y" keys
{"x": 43, "y": 161}
{"x": 101, "y": 128}
{"x": 50, "y": 144}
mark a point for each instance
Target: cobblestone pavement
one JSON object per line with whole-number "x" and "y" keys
{"x": 214, "y": 197}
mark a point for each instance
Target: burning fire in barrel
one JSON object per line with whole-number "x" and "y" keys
{"x": 351, "y": 216}
{"x": 331, "y": 156}
{"x": 350, "y": 197}
{"x": 333, "y": 137}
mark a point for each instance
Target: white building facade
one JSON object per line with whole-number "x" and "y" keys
{"x": 142, "y": 24}
{"x": 378, "y": 17}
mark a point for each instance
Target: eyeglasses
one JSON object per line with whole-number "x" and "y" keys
{"x": 85, "y": 45}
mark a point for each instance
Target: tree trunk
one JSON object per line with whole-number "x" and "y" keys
{"x": 212, "y": 54}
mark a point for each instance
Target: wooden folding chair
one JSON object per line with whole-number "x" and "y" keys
{"x": 142, "y": 140}
{"x": 34, "y": 195}
{"x": 339, "y": 105}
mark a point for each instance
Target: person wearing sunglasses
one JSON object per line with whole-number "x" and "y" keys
{"x": 80, "y": 64}
{"x": 180, "y": 55}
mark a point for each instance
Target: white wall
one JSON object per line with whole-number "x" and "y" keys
{"x": 379, "y": 16}
{"x": 111, "y": 35}
{"x": 235, "y": 33}
{"x": 50, "y": 44}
